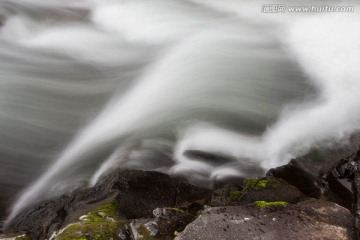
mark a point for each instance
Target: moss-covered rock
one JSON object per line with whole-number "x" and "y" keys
{"x": 255, "y": 185}
{"x": 268, "y": 189}
{"x": 100, "y": 224}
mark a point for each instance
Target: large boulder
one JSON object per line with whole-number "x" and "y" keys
{"x": 312, "y": 219}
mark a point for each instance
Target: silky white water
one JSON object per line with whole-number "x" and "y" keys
{"x": 95, "y": 85}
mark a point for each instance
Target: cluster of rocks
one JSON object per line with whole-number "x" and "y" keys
{"x": 289, "y": 203}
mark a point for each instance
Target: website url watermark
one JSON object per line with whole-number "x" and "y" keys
{"x": 282, "y": 8}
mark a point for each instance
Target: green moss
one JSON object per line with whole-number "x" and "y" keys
{"x": 250, "y": 183}
{"x": 99, "y": 224}
{"x": 257, "y": 184}
{"x": 262, "y": 204}
{"x": 235, "y": 195}
{"x": 108, "y": 210}
{"x": 261, "y": 184}
{"x": 145, "y": 233}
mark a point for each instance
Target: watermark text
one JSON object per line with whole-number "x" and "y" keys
{"x": 282, "y": 8}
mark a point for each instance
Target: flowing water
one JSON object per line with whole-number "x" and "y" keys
{"x": 86, "y": 86}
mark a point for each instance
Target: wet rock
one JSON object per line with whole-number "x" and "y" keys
{"x": 303, "y": 172}
{"x": 268, "y": 189}
{"x": 191, "y": 197}
{"x": 327, "y": 212}
{"x": 307, "y": 220}
{"x": 136, "y": 193}
{"x": 167, "y": 222}
{"x": 141, "y": 193}
{"x": 221, "y": 196}
{"x": 294, "y": 174}
{"x": 336, "y": 182}
{"x": 325, "y": 185}
{"x": 320, "y": 160}
{"x": 36, "y": 221}
{"x": 172, "y": 219}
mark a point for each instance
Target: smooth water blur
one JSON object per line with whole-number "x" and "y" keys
{"x": 90, "y": 86}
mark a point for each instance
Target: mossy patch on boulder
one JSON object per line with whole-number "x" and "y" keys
{"x": 235, "y": 195}
{"x": 255, "y": 185}
{"x": 100, "y": 224}
{"x": 263, "y": 204}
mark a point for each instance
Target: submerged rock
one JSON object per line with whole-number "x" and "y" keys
{"x": 313, "y": 219}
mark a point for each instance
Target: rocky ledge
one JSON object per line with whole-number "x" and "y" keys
{"x": 289, "y": 203}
